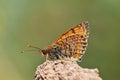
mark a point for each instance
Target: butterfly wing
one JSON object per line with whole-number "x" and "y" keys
{"x": 73, "y": 43}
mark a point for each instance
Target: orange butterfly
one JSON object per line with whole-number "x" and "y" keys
{"x": 70, "y": 45}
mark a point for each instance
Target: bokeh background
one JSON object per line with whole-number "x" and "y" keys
{"x": 40, "y": 22}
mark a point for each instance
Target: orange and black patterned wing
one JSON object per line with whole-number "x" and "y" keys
{"x": 73, "y": 43}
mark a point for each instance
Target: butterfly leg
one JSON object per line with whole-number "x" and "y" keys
{"x": 47, "y": 57}
{"x": 61, "y": 59}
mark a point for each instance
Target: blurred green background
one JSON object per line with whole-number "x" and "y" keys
{"x": 40, "y": 22}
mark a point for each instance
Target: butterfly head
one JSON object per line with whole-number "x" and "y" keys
{"x": 43, "y": 52}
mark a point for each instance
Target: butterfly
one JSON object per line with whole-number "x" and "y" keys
{"x": 71, "y": 45}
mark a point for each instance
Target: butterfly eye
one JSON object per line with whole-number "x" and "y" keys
{"x": 44, "y": 52}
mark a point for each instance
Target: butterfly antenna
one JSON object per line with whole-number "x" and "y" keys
{"x": 27, "y": 51}
{"x": 30, "y": 46}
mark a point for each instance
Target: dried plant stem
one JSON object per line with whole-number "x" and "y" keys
{"x": 65, "y": 70}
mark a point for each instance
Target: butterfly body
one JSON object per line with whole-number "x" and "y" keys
{"x": 70, "y": 45}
